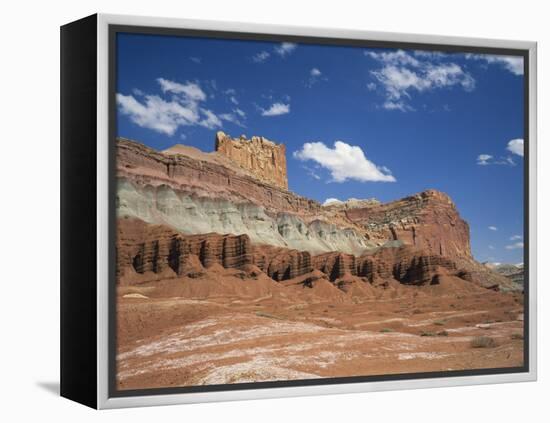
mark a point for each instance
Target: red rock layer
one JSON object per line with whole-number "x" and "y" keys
{"x": 428, "y": 220}
{"x": 145, "y": 166}
{"x": 155, "y": 248}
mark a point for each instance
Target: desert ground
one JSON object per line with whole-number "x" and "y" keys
{"x": 226, "y": 326}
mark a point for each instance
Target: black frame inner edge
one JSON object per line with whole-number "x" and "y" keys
{"x": 182, "y": 32}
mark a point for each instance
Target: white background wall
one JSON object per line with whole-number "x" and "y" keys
{"x": 29, "y": 236}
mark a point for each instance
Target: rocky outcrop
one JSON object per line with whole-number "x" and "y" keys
{"x": 149, "y": 252}
{"x": 282, "y": 263}
{"x": 201, "y": 174}
{"x": 159, "y": 250}
{"x": 404, "y": 264}
{"x": 428, "y": 220}
{"x": 192, "y": 214}
{"x": 265, "y": 159}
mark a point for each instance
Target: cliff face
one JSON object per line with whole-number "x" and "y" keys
{"x": 149, "y": 252}
{"x": 196, "y": 193}
{"x": 263, "y": 158}
{"x": 205, "y": 175}
{"x": 428, "y": 220}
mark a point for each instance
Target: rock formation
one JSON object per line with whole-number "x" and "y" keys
{"x": 149, "y": 252}
{"x": 428, "y": 220}
{"x": 263, "y": 158}
{"x": 225, "y": 192}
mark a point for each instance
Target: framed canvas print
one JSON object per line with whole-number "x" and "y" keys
{"x": 254, "y": 211}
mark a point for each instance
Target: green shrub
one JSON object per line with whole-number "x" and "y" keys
{"x": 483, "y": 342}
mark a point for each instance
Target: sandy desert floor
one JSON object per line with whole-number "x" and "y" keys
{"x": 225, "y": 327}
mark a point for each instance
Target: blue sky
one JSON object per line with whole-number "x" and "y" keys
{"x": 356, "y": 122}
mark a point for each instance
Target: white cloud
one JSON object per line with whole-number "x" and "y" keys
{"x": 513, "y": 64}
{"x": 261, "y": 57}
{"x": 156, "y": 113}
{"x": 493, "y": 228}
{"x": 315, "y": 75}
{"x": 402, "y": 74}
{"x": 240, "y": 112}
{"x": 491, "y": 247}
{"x": 276, "y": 109}
{"x": 371, "y": 86}
{"x": 398, "y": 57}
{"x": 483, "y": 159}
{"x": 190, "y": 90}
{"x": 285, "y": 49}
{"x": 344, "y": 162}
{"x": 196, "y": 60}
{"x": 487, "y": 159}
{"x": 329, "y": 201}
{"x": 315, "y": 72}
{"x": 397, "y": 105}
{"x": 233, "y": 118}
{"x": 516, "y": 146}
{"x": 515, "y": 246}
{"x": 212, "y": 121}
{"x": 183, "y": 108}
{"x": 515, "y": 237}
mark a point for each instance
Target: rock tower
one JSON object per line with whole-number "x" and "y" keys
{"x": 265, "y": 159}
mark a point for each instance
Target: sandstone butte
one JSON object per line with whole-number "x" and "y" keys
{"x": 264, "y": 158}
{"x": 414, "y": 240}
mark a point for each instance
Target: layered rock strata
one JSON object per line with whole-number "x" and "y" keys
{"x": 152, "y": 249}
{"x": 265, "y": 159}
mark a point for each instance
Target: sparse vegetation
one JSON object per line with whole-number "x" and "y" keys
{"x": 425, "y": 333}
{"x": 386, "y": 330}
{"x": 483, "y": 342}
{"x": 440, "y": 322}
{"x": 443, "y": 333}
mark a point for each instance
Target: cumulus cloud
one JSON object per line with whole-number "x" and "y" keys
{"x": 513, "y": 64}
{"x": 315, "y": 75}
{"x": 516, "y": 146}
{"x": 315, "y": 72}
{"x": 329, "y": 201}
{"x": 181, "y": 105}
{"x": 190, "y": 90}
{"x": 284, "y": 49}
{"x": 276, "y": 109}
{"x": 403, "y": 74}
{"x": 493, "y": 228}
{"x": 344, "y": 162}
{"x": 514, "y": 246}
{"x": 483, "y": 159}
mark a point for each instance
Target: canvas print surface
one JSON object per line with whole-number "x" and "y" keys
{"x": 297, "y": 211}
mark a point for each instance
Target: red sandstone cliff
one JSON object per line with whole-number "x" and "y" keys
{"x": 148, "y": 252}
{"x": 428, "y": 222}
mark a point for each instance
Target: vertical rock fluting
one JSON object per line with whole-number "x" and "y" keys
{"x": 282, "y": 263}
{"x": 152, "y": 249}
{"x": 262, "y": 157}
